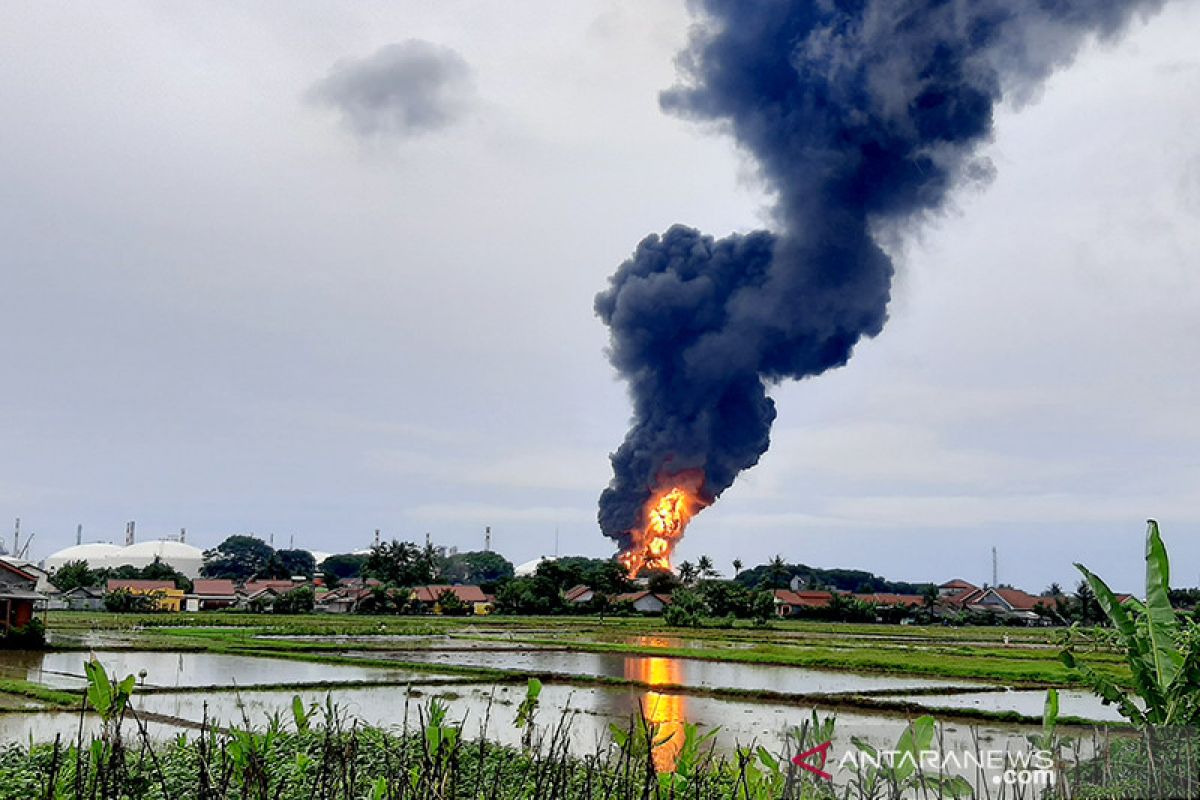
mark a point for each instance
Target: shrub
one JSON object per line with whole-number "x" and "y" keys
{"x": 31, "y": 636}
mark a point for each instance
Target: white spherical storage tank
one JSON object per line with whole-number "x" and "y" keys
{"x": 181, "y": 557}
{"x": 98, "y": 555}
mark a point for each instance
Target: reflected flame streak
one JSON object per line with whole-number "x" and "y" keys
{"x": 666, "y": 711}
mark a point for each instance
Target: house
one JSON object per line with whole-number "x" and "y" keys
{"x": 789, "y": 603}
{"x": 251, "y": 588}
{"x": 645, "y": 601}
{"x": 472, "y": 596}
{"x": 342, "y": 600}
{"x": 82, "y": 598}
{"x": 258, "y": 592}
{"x": 1012, "y": 604}
{"x": 579, "y": 595}
{"x": 43, "y": 585}
{"x": 164, "y": 593}
{"x": 210, "y": 595}
{"x": 956, "y": 588}
{"x": 890, "y": 600}
{"x": 17, "y": 597}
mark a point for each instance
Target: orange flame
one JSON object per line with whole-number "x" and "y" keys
{"x": 666, "y": 514}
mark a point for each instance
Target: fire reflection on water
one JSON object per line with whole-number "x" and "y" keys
{"x": 665, "y": 710}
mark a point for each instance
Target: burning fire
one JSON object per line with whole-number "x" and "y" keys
{"x": 666, "y": 514}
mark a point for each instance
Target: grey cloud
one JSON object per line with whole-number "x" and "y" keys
{"x": 403, "y": 89}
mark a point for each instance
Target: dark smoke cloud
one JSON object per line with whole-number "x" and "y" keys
{"x": 402, "y": 89}
{"x": 861, "y": 116}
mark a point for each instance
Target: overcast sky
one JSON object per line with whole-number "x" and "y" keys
{"x": 315, "y": 269}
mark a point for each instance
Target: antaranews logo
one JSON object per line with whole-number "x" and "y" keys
{"x": 1010, "y": 767}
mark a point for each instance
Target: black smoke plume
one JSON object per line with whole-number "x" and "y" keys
{"x": 861, "y": 115}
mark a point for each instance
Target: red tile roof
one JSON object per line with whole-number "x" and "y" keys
{"x": 214, "y": 588}
{"x": 577, "y": 592}
{"x": 468, "y": 594}
{"x": 889, "y": 599}
{"x": 633, "y": 597}
{"x": 808, "y": 599}
{"x": 254, "y": 587}
{"x": 958, "y": 583}
{"x": 1022, "y": 601}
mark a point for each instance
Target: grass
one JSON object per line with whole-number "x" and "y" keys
{"x": 43, "y": 694}
{"x": 928, "y": 651}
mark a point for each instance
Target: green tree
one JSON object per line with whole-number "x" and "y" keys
{"x": 482, "y": 568}
{"x": 726, "y": 597}
{"x": 1085, "y": 608}
{"x": 400, "y": 564}
{"x": 737, "y": 567}
{"x": 537, "y": 594}
{"x": 762, "y": 606}
{"x": 273, "y": 570}
{"x": 687, "y": 610}
{"x": 297, "y": 562}
{"x": 688, "y": 573}
{"x": 344, "y": 565}
{"x": 705, "y": 569}
{"x": 607, "y": 577}
{"x": 297, "y": 601}
{"x": 123, "y": 601}
{"x": 662, "y": 582}
{"x": 74, "y": 574}
{"x": 778, "y": 574}
{"x": 238, "y": 558}
{"x": 157, "y": 570}
{"x": 451, "y": 604}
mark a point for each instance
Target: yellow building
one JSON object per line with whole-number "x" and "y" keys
{"x": 166, "y": 596}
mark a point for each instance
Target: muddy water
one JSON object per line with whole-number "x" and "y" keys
{"x": 65, "y": 670}
{"x": 590, "y": 711}
{"x": 1027, "y": 702}
{"x": 658, "y": 671}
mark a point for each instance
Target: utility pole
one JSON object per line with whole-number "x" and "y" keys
{"x": 995, "y": 569}
{"x": 79, "y": 534}
{"x": 17, "y": 538}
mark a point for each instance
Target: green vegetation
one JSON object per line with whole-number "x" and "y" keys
{"x": 1162, "y": 651}
{"x": 777, "y": 574}
{"x": 35, "y": 691}
{"x": 74, "y": 574}
{"x": 31, "y": 636}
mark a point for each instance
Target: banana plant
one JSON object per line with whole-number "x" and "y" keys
{"x": 107, "y": 696}
{"x": 1162, "y": 651}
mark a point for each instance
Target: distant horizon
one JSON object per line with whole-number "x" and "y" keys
{"x": 724, "y": 571}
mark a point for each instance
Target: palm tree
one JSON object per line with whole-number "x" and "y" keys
{"x": 704, "y": 567}
{"x": 687, "y": 572}
{"x": 777, "y": 573}
{"x": 737, "y": 567}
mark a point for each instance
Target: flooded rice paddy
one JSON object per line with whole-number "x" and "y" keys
{"x": 233, "y": 689}
{"x": 64, "y": 670}
{"x": 670, "y": 671}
